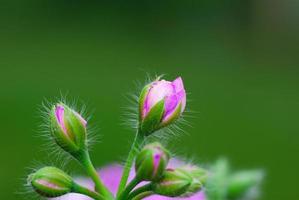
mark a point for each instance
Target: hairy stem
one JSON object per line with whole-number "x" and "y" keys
{"x": 91, "y": 171}
{"x": 133, "y": 151}
{"x": 83, "y": 190}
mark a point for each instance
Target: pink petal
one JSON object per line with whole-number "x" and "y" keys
{"x": 59, "y": 111}
{"x": 182, "y": 98}
{"x": 158, "y": 91}
{"x": 178, "y": 84}
{"x": 171, "y": 103}
{"x": 82, "y": 181}
{"x": 173, "y": 92}
{"x": 48, "y": 184}
{"x": 157, "y": 159}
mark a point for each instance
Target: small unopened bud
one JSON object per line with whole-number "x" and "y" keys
{"x": 241, "y": 183}
{"x": 51, "y": 182}
{"x": 198, "y": 175}
{"x": 174, "y": 183}
{"x": 151, "y": 162}
{"x": 68, "y": 128}
{"x": 160, "y": 104}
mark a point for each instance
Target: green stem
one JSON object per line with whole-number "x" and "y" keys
{"x": 82, "y": 190}
{"x": 129, "y": 188}
{"x": 139, "y": 138}
{"x": 91, "y": 171}
{"x": 143, "y": 195}
{"x": 144, "y": 189}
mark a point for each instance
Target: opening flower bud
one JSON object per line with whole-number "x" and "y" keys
{"x": 151, "y": 162}
{"x": 161, "y": 103}
{"x": 174, "y": 183}
{"x": 68, "y": 128}
{"x": 51, "y": 182}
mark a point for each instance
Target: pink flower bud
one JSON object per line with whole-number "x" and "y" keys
{"x": 68, "y": 128}
{"x": 151, "y": 162}
{"x": 161, "y": 102}
{"x": 172, "y": 92}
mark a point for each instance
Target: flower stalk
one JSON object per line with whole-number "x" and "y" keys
{"x": 91, "y": 171}
{"x": 82, "y": 190}
{"x": 129, "y": 188}
{"x": 137, "y": 143}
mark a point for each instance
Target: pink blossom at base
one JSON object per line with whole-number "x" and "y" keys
{"x": 172, "y": 92}
{"x": 111, "y": 176}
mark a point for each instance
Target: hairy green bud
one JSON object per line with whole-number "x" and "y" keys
{"x": 199, "y": 177}
{"x": 51, "y": 182}
{"x": 151, "y": 162}
{"x": 68, "y": 128}
{"x": 173, "y": 184}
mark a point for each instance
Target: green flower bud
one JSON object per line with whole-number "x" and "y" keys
{"x": 51, "y": 182}
{"x": 217, "y": 182}
{"x": 151, "y": 162}
{"x": 198, "y": 175}
{"x": 174, "y": 183}
{"x": 243, "y": 182}
{"x": 68, "y": 128}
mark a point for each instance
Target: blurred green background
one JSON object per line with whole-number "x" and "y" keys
{"x": 239, "y": 61}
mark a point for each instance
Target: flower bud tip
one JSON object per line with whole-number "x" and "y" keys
{"x": 161, "y": 103}
{"x": 68, "y": 128}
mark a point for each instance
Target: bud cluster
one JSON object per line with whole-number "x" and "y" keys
{"x": 161, "y": 103}
{"x": 151, "y": 165}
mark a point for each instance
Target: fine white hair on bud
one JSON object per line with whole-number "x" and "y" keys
{"x": 45, "y": 129}
{"x": 50, "y": 182}
{"x": 28, "y": 192}
{"x": 68, "y": 128}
